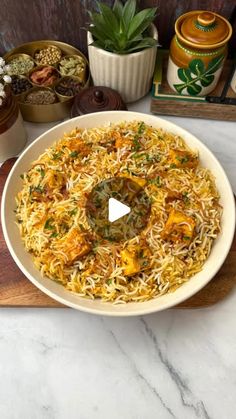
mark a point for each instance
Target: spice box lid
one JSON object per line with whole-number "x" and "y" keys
{"x": 97, "y": 99}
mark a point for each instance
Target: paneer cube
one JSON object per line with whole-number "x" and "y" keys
{"x": 182, "y": 159}
{"x": 179, "y": 227}
{"x": 75, "y": 245}
{"x": 130, "y": 262}
{"x": 135, "y": 259}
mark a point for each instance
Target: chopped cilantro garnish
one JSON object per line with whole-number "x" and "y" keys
{"x": 74, "y": 154}
{"x": 22, "y": 176}
{"x": 56, "y": 156}
{"x": 42, "y": 173}
{"x": 145, "y": 263}
{"x": 53, "y": 235}
{"x": 182, "y": 160}
{"x": 185, "y": 197}
{"x": 156, "y": 181}
{"x": 186, "y": 238}
{"x": 141, "y": 128}
{"x": 38, "y": 189}
{"x": 138, "y": 155}
{"x": 136, "y": 144}
{"x": 109, "y": 282}
{"x": 48, "y": 225}
{"x": 73, "y": 212}
{"x": 173, "y": 166}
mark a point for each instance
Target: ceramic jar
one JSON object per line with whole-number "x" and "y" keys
{"x": 233, "y": 82}
{"x": 197, "y": 52}
{"x": 129, "y": 74}
{"x": 12, "y": 131}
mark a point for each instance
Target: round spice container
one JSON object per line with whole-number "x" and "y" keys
{"x": 40, "y": 96}
{"x": 68, "y": 87}
{"x": 197, "y": 52}
{"x": 97, "y": 99}
{"x": 49, "y": 55}
{"x": 73, "y": 65}
{"x": 20, "y": 84}
{"x": 12, "y": 132}
{"x": 20, "y": 64}
{"x": 44, "y": 75}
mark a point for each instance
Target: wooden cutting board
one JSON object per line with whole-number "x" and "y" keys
{"x": 17, "y": 291}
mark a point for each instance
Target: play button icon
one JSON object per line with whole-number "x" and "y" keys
{"x": 117, "y": 209}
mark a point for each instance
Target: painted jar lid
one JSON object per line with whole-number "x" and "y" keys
{"x": 97, "y": 99}
{"x": 203, "y": 29}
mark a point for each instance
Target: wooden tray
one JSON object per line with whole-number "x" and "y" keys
{"x": 17, "y": 291}
{"x": 166, "y": 102}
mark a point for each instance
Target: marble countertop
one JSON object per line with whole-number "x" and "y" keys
{"x": 64, "y": 364}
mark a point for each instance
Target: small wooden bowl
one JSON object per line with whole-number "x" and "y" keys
{"x": 45, "y": 47}
{"x": 18, "y": 96}
{"x": 66, "y": 97}
{"x": 23, "y": 56}
{"x": 40, "y": 67}
{"x": 81, "y": 75}
{"x": 34, "y": 89}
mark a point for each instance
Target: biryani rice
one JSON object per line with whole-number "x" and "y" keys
{"x": 51, "y": 211}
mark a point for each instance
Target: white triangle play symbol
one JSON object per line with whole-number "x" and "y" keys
{"x": 116, "y": 210}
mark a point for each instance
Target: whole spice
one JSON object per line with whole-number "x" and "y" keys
{"x": 49, "y": 55}
{"x": 44, "y": 76}
{"x": 20, "y": 65}
{"x": 73, "y": 66}
{"x": 40, "y": 97}
{"x": 68, "y": 87}
{"x": 20, "y": 84}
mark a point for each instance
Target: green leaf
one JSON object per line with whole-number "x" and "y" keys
{"x": 48, "y": 225}
{"x": 74, "y": 154}
{"x": 100, "y": 29}
{"x": 118, "y": 9}
{"x": 140, "y": 22}
{"x": 184, "y": 74}
{"x": 129, "y": 12}
{"x": 109, "y": 18}
{"x": 194, "y": 89}
{"x": 207, "y": 80}
{"x": 197, "y": 67}
{"x": 145, "y": 43}
{"x": 215, "y": 64}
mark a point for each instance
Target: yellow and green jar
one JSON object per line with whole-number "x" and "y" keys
{"x": 197, "y": 52}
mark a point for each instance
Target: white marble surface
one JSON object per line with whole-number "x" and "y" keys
{"x": 63, "y": 364}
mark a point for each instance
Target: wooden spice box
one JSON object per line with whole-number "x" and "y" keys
{"x": 166, "y": 102}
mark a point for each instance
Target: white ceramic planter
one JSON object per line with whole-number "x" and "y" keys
{"x": 129, "y": 74}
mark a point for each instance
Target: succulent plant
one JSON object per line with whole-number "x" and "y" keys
{"x": 122, "y": 29}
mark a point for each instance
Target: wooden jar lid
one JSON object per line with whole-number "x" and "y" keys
{"x": 203, "y": 28}
{"x": 97, "y": 99}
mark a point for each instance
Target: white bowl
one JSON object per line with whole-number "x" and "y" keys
{"x": 24, "y": 260}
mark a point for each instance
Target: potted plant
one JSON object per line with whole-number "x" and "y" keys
{"x": 122, "y": 46}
